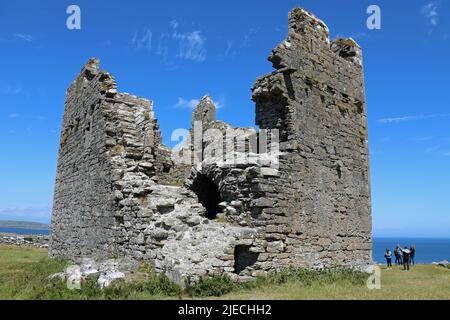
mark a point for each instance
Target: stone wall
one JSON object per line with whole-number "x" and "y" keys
{"x": 316, "y": 99}
{"x": 118, "y": 189}
{"x": 83, "y": 215}
{"x": 106, "y": 138}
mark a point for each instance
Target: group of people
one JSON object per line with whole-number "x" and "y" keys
{"x": 403, "y": 256}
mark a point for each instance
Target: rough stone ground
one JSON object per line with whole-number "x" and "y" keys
{"x": 105, "y": 271}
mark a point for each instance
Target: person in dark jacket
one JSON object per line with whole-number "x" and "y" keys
{"x": 406, "y": 255}
{"x": 412, "y": 254}
{"x": 399, "y": 251}
{"x": 397, "y": 256}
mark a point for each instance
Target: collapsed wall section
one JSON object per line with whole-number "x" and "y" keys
{"x": 108, "y": 198}
{"x": 312, "y": 209}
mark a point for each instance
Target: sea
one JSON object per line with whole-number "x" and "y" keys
{"x": 428, "y": 250}
{"x": 25, "y": 231}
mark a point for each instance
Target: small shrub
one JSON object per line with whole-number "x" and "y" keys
{"x": 158, "y": 284}
{"x": 216, "y": 285}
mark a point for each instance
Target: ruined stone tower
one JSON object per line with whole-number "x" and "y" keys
{"x": 245, "y": 217}
{"x": 103, "y": 133}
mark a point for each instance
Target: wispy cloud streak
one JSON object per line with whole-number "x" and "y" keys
{"x": 191, "y": 45}
{"x": 248, "y": 36}
{"x": 18, "y": 37}
{"x": 412, "y": 118}
{"x": 11, "y": 90}
{"x": 192, "y": 103}
{"x": 142, "y": 40}
{"x": 420, "y": 139}
{"x": 23, "y": 36}
{"x": 430, "y": 11}
{"x": 187, "y": 45}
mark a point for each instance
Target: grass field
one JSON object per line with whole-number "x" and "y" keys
{"x": 24, "y": 272}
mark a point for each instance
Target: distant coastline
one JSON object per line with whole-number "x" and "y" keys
{"x": 23, "y": 225}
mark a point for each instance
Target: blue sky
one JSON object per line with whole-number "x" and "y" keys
{"x": 174, "y": 52}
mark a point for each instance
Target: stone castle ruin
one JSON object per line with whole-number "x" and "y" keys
{"x": 118, "y": 190}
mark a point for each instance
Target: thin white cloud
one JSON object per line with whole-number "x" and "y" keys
{"x": 142, "y": 40}
{"x": 163, "y": 46}
{"x": 220, "y": 103}
{"x": 174, "y": 24}
{"x": 432, "y": 149}
{"x": 228, "y": 51}
{"x": 430, "y": 11}
{"x": 249, "y": 35}
{"x": 426, "y": 138}
{"x": 14, "y": 115}
{"x": 412, "y": 118}
{"x": 18, "y": 37}
{"x": 191, "y": 45}
{"x": 187, "y": 103}
{"x": 192, "y": 103}
{"x": 23, "y": 37}
{"x": 179, "y": 44}
{"x": 229, "y": 46}
{"x": 447, "y": 154}
{"x": 11, "y": 90}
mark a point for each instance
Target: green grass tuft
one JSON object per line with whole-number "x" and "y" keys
{"x": 217, "y": 285}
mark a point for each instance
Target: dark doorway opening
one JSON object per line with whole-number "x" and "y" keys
{"x": 243, "y": 258}
{"x": 208, "y": 195}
